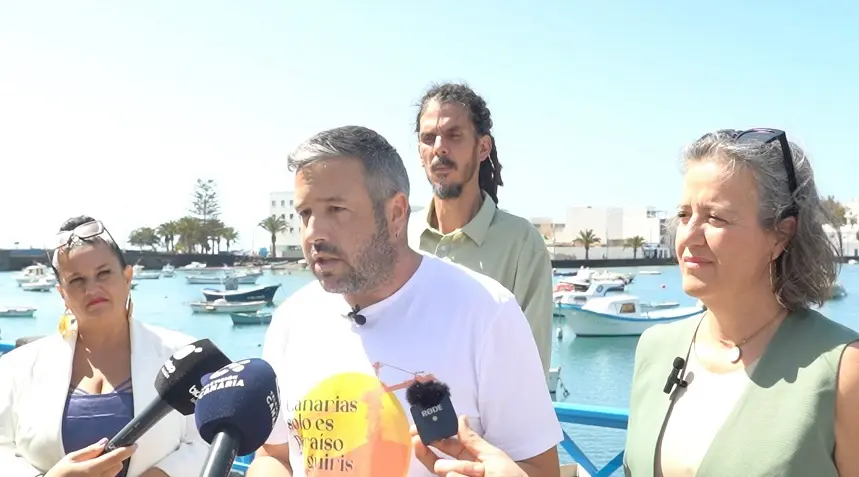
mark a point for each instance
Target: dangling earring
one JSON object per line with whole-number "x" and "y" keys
{"x": 773, "y": 278}
{"x": 67, "y": 322}
{"x": 129, "y": 308}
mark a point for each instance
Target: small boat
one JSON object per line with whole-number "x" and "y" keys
{"x": 621, "y": 315}
{"x": 223, "y": 306}
{"x": 650, "y": 272}
{"x": 139, "y": 274}
{"x": 168, "y": 271}
{"x": 42, "y": 285}
{"x": 261, "y": 293}
{"x": 258, "y": 318}
{"x": 17, "y": 312}
{"x": 598, "y": 288}
{"x": 33, "y": 273}
{"x": 837, "y": 292}
{"x": 193, "y": 266}
{"x": 241, "y": 278}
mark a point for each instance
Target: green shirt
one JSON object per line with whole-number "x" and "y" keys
{"x": 504, "y": 247}
{"x": 783, "y": 425}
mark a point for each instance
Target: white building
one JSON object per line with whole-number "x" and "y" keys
{"x": 849, "y": 232}
{"x": 613, "y": 226}
{"x": 281, "y": 205}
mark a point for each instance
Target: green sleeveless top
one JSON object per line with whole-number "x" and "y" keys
{"x": 783, "y": 425}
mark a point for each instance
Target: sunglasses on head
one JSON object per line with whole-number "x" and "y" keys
{"x": 765, "y": 136}
{"x": 81, "y": 232}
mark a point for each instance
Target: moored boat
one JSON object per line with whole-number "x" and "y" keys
{"x": 223, "y": 306}
{"x": 620, "y": 315}
{"x": 261, "y": 293}
{"x": 258, "y": 318}
{"x": 42, "y": 285}
{"x": 17, "y": 312}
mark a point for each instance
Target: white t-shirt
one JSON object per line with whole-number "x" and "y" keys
{"x": 342, "y": 386}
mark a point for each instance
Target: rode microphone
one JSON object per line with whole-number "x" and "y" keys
{"x": 674, "y": 376}
{"x": 432, "y": 411}
{"x": 236, "y": 412}
{"x": 178, "y": 386}
{"x": 356, "y": 317}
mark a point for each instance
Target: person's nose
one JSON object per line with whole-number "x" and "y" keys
{"x": 440, "y": 147}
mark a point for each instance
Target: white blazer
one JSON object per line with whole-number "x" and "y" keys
{"x": 34, "y": 382}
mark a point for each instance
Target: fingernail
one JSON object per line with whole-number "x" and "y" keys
{"x": 103, "y": 441}
{"x": 478, "y": 467}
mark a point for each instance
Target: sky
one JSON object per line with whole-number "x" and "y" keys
{"x": 114, "y": 109}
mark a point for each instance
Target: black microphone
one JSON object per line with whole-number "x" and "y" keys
{"x": 674, "y": 376}
{"x": 357, "y": 318}
{"x": 178, "y": 386}
{"x": 236, "y": 412}
{"x": 432, "y": 411}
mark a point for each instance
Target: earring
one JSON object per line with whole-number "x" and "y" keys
{"x": 129, "y": 307}
{"x": 67, "y": 322}
{"x": 773, "y": 278}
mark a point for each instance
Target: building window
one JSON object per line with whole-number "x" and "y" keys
{"x": 282, "y": 203}
{"x": 291, "y": 216}
{"x": 290, "y": 203}
{"x": 282, "y": 216}
{"x": 273, "y": 203}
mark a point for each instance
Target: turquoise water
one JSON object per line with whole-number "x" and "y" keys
{"x": 594, "y": 370}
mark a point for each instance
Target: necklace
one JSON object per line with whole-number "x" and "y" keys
{"x": 735, "y": 352}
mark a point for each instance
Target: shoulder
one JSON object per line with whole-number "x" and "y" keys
{"x": 517, "y": 227}
{"x": 21, "y": 360}
{"x": 463, "y": 284}
{"x": 656, "y": 338}
{"x": 309, "y": 297}
{"x": 164, "y": 337}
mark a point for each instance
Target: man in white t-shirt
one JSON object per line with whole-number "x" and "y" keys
{"x": 381, "y": 315}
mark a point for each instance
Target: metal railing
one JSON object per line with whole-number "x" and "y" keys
{"x": 596, "y": 416}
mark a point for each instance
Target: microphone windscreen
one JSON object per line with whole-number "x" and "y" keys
{"x": 178, "y": 381}
{"x": 242, "y": 395}
{"x": 432, "y": 410}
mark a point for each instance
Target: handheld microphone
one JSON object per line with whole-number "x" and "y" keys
{"x": 357, "y": 318}
{"x": 674, "y": 376}
{"x": 236, "y": 412}
{"x": 432, "y": 411}
{"x": 178, "y": 386}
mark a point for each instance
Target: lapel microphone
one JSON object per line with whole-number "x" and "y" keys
{"x": 356, "y": 317}
{"x": 674, "y": 378}
{"x": 432, "y": 411}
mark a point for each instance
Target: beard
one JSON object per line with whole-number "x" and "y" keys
{"x": 451, "y": 190}
{"x": 372, "y": 266}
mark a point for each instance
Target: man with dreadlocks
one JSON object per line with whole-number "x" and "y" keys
{"x": 463, "y": 223}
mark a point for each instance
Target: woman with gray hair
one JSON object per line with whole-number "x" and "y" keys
{"x": 761, "y": 385}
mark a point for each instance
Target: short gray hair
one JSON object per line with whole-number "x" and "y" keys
{"x": 807, "y": 270}
{"x": 384, "y": 172}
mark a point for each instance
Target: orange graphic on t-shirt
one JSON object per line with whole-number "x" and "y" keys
{"x": 352, "y": 424}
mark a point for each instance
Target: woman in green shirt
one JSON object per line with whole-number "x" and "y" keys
{"x": 765, "y": 386}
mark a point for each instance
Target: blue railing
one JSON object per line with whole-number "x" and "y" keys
{"x": 596, "y": 416}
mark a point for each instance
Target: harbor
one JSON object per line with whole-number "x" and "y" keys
{"x": 594, "y": 373}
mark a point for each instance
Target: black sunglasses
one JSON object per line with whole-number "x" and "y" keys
{"x": 765, "y": 136}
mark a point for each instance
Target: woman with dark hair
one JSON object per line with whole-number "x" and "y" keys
{"x": 63, "y": 396}
{"x": 762, "y": 384}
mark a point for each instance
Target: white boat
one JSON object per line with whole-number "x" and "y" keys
{"x": 191, "y": 267}
{"x": 223, "y": 306}
{"x": 650, "y": 272}
{"x": 42, "y": 285}
{"x": 168, "y": 271}
{"x": 620, "y": 315}
{"x": 598, "y": 288}
{"x": 241, "y": 279}
{"x": 17, "y": 312}
{"x": 837, "y": 292}
{"x": 33, "y": 273}
{"x": 140, "y": 274}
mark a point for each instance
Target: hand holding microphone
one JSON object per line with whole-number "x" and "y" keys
{"x": 90, "y": 461}
{"x": 436, "y": 424}
{"x": 236, "y": 412}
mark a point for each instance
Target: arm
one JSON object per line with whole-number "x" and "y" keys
{"x": 10, "y": 462}
{"x": 515, "y": 407}
{"x": 846, "y": 417}
{"x": 533, "y": 290}
{"x": 272, "y": 460}
{"x": 188, "y": 459}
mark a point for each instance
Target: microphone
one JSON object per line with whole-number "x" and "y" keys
{"x": 178, "y": 386}
{"x": 432, "y": 411}
{"x": 357, "y": 318}
{"x": 674, "y": 376}
{"x": 236, "y": 412}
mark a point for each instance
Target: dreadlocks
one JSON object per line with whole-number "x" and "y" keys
{"x": 489, "y": 176}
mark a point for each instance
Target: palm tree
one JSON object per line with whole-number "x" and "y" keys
{"x": 168, "y": 232}
{"x": 634, "y": 243}
{"x": 587, "y": 239}
{"x": 837, "y": 215}
{"x": 273, "y": 224}
{"x": 230, "y": 236}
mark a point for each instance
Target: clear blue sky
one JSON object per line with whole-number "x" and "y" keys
{"x": 115, "y": 110}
